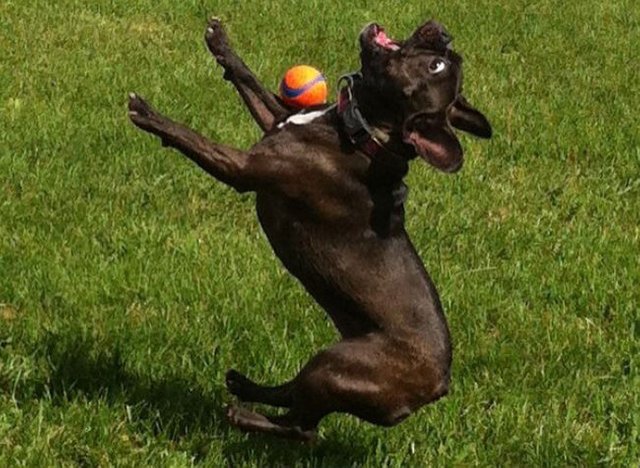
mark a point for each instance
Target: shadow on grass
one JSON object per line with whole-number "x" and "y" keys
{"x": 79, "y": 367}
{"x": 172, "y": 407}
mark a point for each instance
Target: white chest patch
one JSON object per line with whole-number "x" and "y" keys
{"x": 304, "y": 118}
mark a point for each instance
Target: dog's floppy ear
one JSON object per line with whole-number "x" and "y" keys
{"x": 434, "y": 141}
{"x": 464, "y": 116}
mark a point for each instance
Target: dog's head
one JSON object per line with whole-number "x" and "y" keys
{"x": 423, "y": 77}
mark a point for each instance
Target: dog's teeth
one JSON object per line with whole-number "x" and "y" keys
{"x": 210, "y": 30}
{"x": 133, "y": 113}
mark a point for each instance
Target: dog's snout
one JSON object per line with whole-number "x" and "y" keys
{"x": 434, "y": 35}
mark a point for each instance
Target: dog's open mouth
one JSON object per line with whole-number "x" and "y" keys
{"x": 380, "y": 38}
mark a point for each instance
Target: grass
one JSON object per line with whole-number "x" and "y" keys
{"x": 130, "y": 281}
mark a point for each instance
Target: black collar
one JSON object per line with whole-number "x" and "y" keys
{"x": 360, "y": 133}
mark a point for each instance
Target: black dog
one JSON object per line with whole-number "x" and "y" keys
{"x": 330, "y": 199}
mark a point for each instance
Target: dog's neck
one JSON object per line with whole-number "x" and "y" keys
{"x": 380, "y": 111}
{"x": 383, "y": 120}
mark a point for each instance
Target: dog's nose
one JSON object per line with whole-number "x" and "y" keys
{"x": 445, "y": 36}
{"x": 434, "y": 34}
{"x": 441, "y": 34}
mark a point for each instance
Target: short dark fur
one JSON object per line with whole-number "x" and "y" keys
{"x": 335, "y": 218}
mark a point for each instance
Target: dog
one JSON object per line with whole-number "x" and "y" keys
{"x": 330, "y": 198}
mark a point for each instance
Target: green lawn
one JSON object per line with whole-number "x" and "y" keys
{"x": 130, "y": 281}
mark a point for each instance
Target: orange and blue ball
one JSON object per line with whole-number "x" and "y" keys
{"x": 303, "y": 86}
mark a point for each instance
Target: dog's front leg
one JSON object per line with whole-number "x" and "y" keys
{"x": 263, "y": 105}
{"x": 225, "y": 164}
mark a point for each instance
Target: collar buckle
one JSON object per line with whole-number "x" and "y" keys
{"x": 360, "y": 133}
{"x": 356, "y": 127}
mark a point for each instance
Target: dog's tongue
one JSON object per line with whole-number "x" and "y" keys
{"x": 385, "y": 41}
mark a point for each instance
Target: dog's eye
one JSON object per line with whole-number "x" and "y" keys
{"x": 437, "y": 66}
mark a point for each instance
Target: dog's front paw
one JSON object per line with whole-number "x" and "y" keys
{"x": 143, "y": 116}
{"x": 138, "y": 108}
{"x": 216, "y": 39}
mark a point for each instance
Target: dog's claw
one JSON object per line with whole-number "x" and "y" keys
{"x": 214, "y": 21}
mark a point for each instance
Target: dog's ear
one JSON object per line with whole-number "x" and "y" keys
{"x": 434, "y": 141}
{"x": 464, "y": 116}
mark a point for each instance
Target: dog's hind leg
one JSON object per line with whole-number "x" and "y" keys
{"x": 373, "y": 377}
{"x": 263, "y": 105}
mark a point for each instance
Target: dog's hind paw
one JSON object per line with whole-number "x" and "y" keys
{"x": 249, "y": 421}
{"x": 238, "y": 384}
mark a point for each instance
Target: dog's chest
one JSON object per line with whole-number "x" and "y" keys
{"x": 289, "y": 226}
{"x": 308, "y": 243}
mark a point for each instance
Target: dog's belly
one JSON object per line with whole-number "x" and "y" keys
{"x": 364, "y": 282}
{"x": 305, "y": 248}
